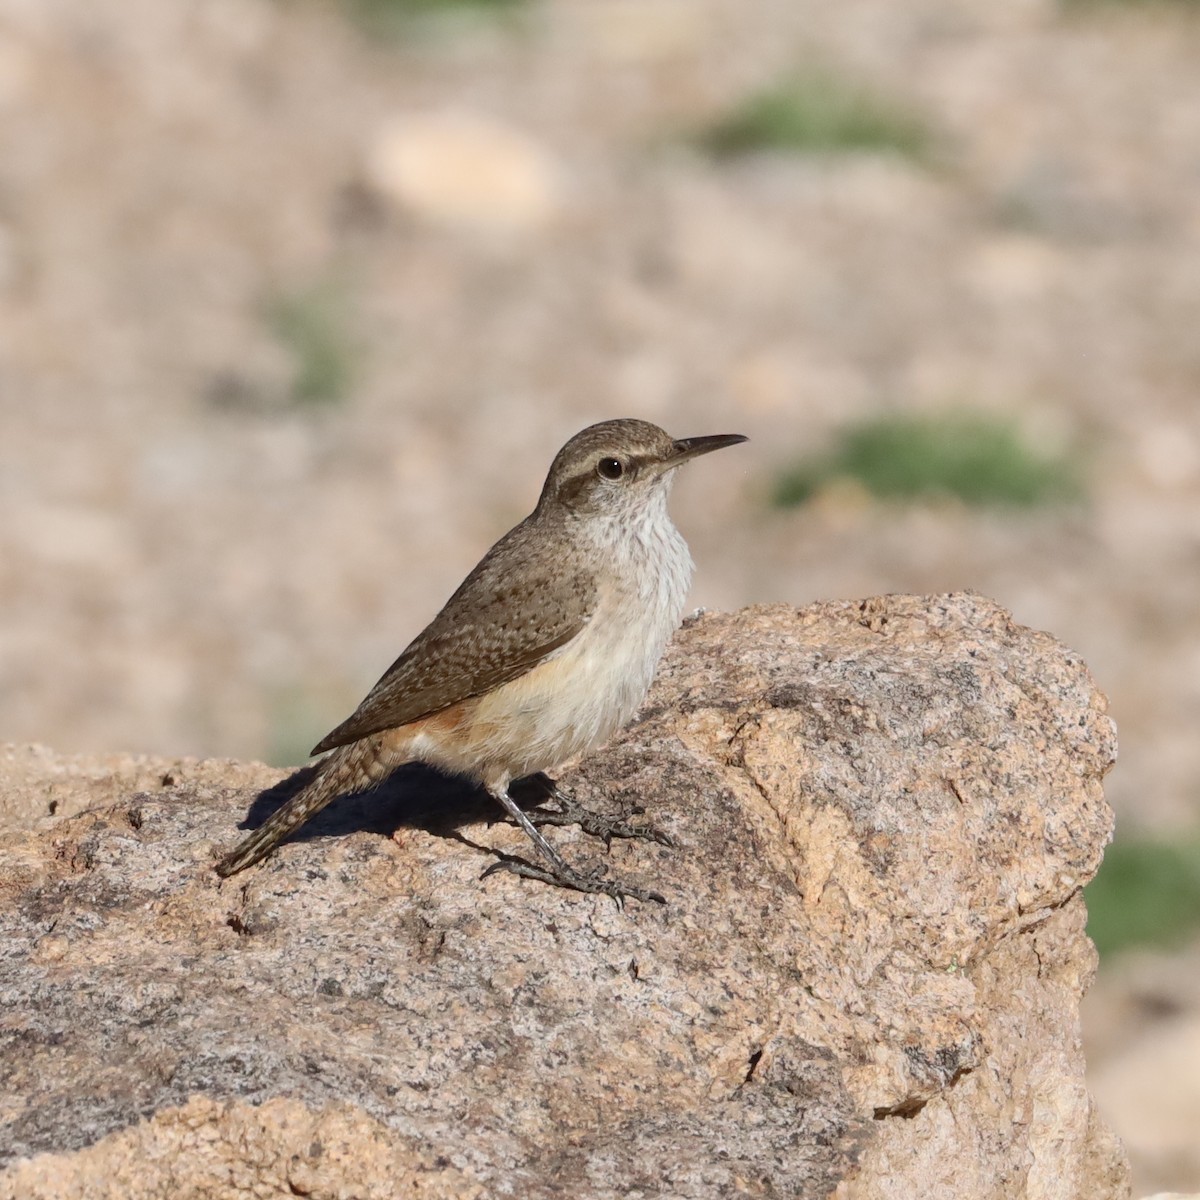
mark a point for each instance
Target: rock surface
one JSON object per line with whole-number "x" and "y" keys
{"x": 462, "y": 168}
{"x": 866, "y": 982}
{"x": 36, "y": 783}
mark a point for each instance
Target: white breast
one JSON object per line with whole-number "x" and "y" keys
{"x": 580, "y": 696}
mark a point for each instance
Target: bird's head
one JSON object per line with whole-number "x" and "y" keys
{"x": 620, "y": 467}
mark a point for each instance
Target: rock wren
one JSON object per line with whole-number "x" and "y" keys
{"x": 544, "y": 652}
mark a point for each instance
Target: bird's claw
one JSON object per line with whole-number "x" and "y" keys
{"x": 595, "y": 825}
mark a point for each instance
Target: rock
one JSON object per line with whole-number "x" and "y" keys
{"x": 866, "y": 982}
{"x": 461, "y": 168}
{"x": 37, "y": 785}
{"x": 217, "y": 1150}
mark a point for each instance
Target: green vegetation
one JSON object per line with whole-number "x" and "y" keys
{"x": 390, "y": 16}
{"x": 976, "y": 459}
{"x": 1146, "y": 893}
{"x": 418, "y": 8}
{"x": 817, "y": 112}
{"x": 310, "y": 325}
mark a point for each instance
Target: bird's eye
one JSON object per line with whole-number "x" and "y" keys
{"x": 610, "y": 468}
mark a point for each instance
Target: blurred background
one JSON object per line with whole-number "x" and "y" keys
{"x": 299, "y": 298}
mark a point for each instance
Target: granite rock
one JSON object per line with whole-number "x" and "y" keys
{"x": 866, "y": 981}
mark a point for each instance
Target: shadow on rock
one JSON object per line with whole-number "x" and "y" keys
{"x": 414, "y": 796}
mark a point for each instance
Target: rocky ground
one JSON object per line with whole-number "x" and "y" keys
{"x": 274, "y": 368}
{"x": 812, "y": 1012}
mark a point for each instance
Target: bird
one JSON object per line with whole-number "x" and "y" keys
{"x": 544, "y": 652}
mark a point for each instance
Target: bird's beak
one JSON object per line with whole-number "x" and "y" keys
{"x": 686, "y": 448}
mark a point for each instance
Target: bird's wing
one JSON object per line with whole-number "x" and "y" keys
{"x": 511, "y": 612}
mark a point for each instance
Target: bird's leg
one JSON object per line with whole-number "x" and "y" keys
{"x": 560, "y": 873}
{"x": 571, "y": 812}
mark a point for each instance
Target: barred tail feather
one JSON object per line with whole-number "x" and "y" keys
{"x": 348, "y": 769}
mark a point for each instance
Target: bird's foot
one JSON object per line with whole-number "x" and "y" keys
{"x": 576, "y": 881}
{"x": 570, "y": 812}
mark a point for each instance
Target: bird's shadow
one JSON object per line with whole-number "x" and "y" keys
{"x": 414, "y": 796}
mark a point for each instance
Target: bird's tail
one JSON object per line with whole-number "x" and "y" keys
{"x": 348, "y": 769}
